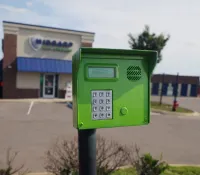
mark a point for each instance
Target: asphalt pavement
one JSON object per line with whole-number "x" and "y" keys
{"x": 31, "y": 128}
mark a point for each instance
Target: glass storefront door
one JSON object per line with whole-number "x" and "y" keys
{"x": 49, "y": 86}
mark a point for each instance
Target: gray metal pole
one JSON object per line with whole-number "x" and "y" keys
{"x": 87, "y": 152}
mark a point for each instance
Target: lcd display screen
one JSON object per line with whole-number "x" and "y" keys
{"x": 101, "y": 72}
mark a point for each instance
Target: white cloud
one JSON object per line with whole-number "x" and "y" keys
{"x": 13, "y": 9}
{"x": 24, "y": 16}
{"x": 113, "y": 20}
{"x": 29, "y": 4}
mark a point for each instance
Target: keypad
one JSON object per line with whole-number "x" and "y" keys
{"x": 101, "y": 104}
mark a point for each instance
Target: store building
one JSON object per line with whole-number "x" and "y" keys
{"x": 187, "y": 86}
{"x": 37, "y": 60}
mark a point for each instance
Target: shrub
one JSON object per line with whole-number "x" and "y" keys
{"x": 145, "y": 164}
{"x": 110, "y": 156}
{"x": 9, "y": 169}
{"x": 62, "y": 158}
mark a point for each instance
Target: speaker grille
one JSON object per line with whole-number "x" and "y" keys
{"x": 134, "y": 73}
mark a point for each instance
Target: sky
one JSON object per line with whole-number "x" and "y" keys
{"x": 113, "y": 20}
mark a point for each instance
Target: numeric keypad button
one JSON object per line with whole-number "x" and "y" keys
{"x": 101, "y": 108}
{"x": 108, "y": 115}
{"x": 95, "y": 108}
{"x": 101, "y": 101}
{"x": 100, "y": 94}
{"x": 107, "y": 101}
{"x": 94, "y": 94}
{"x": 101, "y": 115}
{"x": 107, "y": 94}
{"x": 95, "y": 115}
{"x": 94, "y": 101}
{"x": 107, "y": 108}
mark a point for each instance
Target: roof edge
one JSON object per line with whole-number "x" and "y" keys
{"x": 47, "y": 27}
{"x": 118, "y": 51}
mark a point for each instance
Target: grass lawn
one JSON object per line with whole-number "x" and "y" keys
{"x": 184, "y": 170}
{"x": 168, "y": 107}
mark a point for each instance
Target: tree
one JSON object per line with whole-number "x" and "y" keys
{"x": 148, "y": 41}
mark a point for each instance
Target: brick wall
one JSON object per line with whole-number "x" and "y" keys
{"x": 9, "y": 66}
{"x": 10, "y": 49}
{"x": 172, "y": 79}
{"x": 86, "y": 44}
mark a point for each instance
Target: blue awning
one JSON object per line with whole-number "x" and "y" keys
{"x": 44, "y": 65}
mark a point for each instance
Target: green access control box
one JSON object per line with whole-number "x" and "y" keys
{"x": 111, "y": 87}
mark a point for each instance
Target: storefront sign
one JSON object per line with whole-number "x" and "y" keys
{"x": 46, "y": 44}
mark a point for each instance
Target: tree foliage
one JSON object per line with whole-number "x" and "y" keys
{"x": 149, "y": 41}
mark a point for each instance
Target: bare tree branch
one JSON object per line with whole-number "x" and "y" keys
{"x": 63, "y": 157}
{"x": 9, "y": 169}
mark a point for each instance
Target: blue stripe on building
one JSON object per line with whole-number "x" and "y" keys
{"x": 193, "y": 91}
{"x": 184, "y": 88}
{"x": 164, "y": 88}
{"x": 155, "y": 88}
{"x": 175, "y": 88}
{"x": 44, "y": 65}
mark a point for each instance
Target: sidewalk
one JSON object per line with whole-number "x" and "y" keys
{"x": 174, "y": 113}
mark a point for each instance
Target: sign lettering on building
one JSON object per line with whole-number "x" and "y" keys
{"x": 53, "y": 45}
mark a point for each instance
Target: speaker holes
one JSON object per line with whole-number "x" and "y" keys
{"x": 134, "y": 73}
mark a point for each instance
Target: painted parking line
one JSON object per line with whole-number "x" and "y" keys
{"x": 30, "y": 107}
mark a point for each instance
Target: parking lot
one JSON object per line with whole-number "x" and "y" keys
{"x": 30, "y": 128}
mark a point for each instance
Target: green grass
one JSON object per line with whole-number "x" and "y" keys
{"x": 168, "y": 107}
{"x": 183, "y": 170}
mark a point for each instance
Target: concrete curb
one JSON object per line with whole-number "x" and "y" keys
{"x": 174, "y": 113}
{"x": 173, "y": 165}
{"x": 180, "y": 165}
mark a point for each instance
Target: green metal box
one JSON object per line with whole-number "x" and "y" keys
{"x": 111, "y": 87}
